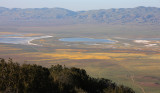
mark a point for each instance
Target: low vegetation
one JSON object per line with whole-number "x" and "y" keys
{"x": 27, "y": 78}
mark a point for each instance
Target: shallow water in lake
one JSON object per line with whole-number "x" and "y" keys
{"x": 86, "y": 40}
{"x": 19, "y": 40}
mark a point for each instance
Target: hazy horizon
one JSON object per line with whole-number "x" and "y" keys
{"x": 79, "y": 5}
{"x": 71, "y": 9}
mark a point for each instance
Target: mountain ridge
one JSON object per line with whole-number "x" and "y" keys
{"x": 61, "y": 16}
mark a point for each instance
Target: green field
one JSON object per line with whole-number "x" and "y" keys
{"x": 133, "y": 64}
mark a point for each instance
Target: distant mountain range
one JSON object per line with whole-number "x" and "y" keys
{"x": 60, "y": 16}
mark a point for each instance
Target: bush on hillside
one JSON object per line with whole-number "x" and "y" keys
{"x": 27, "y": 78}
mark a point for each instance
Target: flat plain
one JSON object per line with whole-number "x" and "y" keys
{"x": 128, "y": 62}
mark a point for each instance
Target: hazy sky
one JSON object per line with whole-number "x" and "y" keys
{"x": 78, "y": 4}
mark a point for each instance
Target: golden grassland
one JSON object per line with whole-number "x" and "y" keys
{"x": 5, "y": 33}
{"x": 26, "y": 34}
{"x": 6, "y": 48}
{"x": 122, "y": 67}
{"x": 76, "y": 54}
{"x": 31, "y": 34}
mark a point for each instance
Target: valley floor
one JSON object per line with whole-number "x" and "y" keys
{"x": 131, "y": 61}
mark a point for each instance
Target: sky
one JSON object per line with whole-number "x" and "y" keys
{"x": 79, "y": 5}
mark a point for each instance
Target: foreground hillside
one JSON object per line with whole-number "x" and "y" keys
{"x": 60, "y": 16}
{"x": 26, "y": 78}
